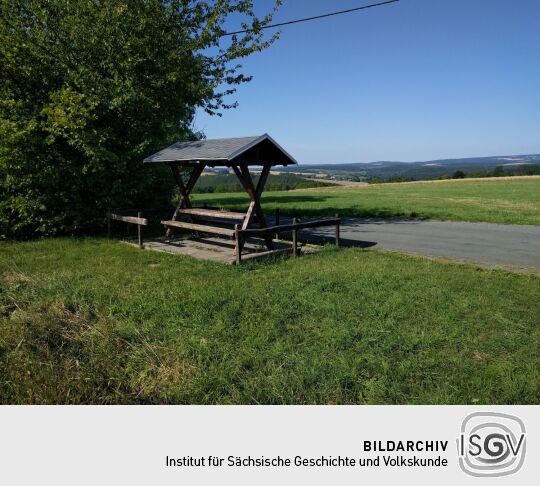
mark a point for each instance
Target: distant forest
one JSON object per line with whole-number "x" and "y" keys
{"x": 229, "y": 183}
{"x": 386, "y": 171}
{"x": 499, "y": 171}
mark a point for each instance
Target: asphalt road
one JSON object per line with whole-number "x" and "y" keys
{"x": 515, "y": 247}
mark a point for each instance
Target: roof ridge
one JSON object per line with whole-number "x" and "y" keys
{"x": 226, "y": 138}
{"x": 218, "y": 149}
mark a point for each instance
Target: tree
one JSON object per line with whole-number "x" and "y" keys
{"x": 498, "y": 171}
{"x": 89, "y": 87}
{"x": 459, "y": 174}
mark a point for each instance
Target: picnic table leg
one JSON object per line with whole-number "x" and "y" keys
{"x": 185, "y": 190}
{"x": 237, "y": 245}
{"x": 254, "y": 193}
{"x": 295, "y": 239}
{"x": 337, "y": 232}
{"x": 109, "y": 223}
{"x": 139, "y": 232}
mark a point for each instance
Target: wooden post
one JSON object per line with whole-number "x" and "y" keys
{"x": 139, "y": 232}
{"x": 337, "y": 232}
{"x": 238, "y": 245}
{"x": 295, "y": 238}
{"x": 108, "y": 222}
{"x": 254, "y": 193}
{"x": 185, "y": 190}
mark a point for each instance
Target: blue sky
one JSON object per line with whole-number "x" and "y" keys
{"x": 415, "y": 80}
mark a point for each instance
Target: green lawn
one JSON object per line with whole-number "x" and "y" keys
{"x": 93, "y": 321}
{"x": 506, "y": 200}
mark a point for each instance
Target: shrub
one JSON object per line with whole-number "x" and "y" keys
{"x": 87, "y": 89}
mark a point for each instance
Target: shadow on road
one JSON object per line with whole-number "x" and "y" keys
{"x": 313, "y": 238}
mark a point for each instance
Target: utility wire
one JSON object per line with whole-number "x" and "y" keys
{"x": 297, "y": 21}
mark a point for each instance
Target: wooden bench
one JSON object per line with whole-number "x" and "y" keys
{"x": 203, "y": 228}
{"x": 212, "y": 213}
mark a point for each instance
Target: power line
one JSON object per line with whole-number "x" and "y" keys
{"x": 297, "y": 21}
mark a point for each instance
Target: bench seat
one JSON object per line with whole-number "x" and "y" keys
{"x": 203, "y": 228}
{"x": 213, "y": 213}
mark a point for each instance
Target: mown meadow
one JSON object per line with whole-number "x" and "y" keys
{"x": 498, "y": 200}
{"x": 98, "y": 321}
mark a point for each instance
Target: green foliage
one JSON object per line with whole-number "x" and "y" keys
{"x": 525, "y": 169}
{"x": 391, "y": 180}
{"x": 93, "y": 321}
{"x": 88, "y": 88}
{"x": 276, "y": 182}
{"x": 428, "y": 170}
{"x": 499, "y": 171}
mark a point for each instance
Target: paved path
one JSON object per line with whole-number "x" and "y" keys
{"x": 515, "y": 247}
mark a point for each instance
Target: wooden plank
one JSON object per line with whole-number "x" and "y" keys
{"x": 255, "y": 196}
{"x": 337, "y": 232}
{"x": 194, "y": 177}
{"x": 139, "y": 232}
{"x": 181, "y": 187}
{"x": 126, "y": 212}
{"x": 295, "y": 237}
{"x": 247, "y": 184}
{"x": 262, "y": 180}
{"x": 238, "y": 245}
{"x": 129, "y": 219}
{"x": 249, "y": 215}
{"x": 212, "y": 213}
{"x": 185, "y": 190}
{"x": 290, "y": 227}
{"x": 240, "y": 173}
{"x": 108, "y": 223}
{"x": 258, "y": 210}
{"x": 199, "y": 227}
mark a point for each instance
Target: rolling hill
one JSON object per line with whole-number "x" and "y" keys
{"x": 426, "y": 170}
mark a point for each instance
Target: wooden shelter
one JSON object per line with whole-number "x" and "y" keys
{"x": 240, "y": 155}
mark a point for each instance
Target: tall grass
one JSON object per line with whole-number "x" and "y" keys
{"x": 92, "y": 321}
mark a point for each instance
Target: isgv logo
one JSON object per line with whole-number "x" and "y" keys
{"x": 491, "y": 444}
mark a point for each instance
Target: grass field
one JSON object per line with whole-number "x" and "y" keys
{"x": 93, "y": 321}
{"x": 505, "y": 200}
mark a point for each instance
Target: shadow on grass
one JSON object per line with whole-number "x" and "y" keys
{"x": 297, "y": 204}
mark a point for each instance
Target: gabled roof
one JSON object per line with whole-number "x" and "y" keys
{"x": 255, "y": 150}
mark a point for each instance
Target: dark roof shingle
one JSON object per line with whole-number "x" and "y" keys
{"x": 223, "y": 149}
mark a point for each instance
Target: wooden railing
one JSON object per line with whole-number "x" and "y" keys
{"x": 138, "y": 220}
{"x": 238, "y": 234}
{"x": 241, "y": 234}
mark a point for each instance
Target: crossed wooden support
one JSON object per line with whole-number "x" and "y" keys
{"x": 254, "y": 212}
{"x": 185, "y": 189}
{"x": 254, "y": 193}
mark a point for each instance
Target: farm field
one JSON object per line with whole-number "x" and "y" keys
{"x": 98, "y": 321}
{"x": 497, "y": 200}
